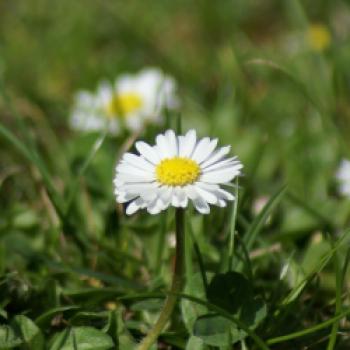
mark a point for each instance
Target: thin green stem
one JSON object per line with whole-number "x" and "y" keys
{"x": 161, "y": 243}
{"x": 338, "y": 302}
{"x": 231, "y": 245}
{"x": 309, "y": 330}
{"x": 176, "y": 285}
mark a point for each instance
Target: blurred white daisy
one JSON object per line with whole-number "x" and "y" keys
{"x": 133, "y": 101}
{"x": 173, "y": 171}
{"x": 343, "y": 176}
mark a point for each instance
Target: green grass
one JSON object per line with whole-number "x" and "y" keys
{"x": 74, "y": 269}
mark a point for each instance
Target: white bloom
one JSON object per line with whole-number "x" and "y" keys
{"x": 173, "y": 171}
{"x": 132, "y": 101}
{"x": 343, "y": 176}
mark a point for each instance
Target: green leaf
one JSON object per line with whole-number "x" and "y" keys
{"x": 8, "y": 338}
{"x": 46, "y": 317}
{"x": 117, "y": 330}
{"x": 229, "y": 291}
{"x": 21, "y": 331}
{"x": 3, "y": 313}
{"x": 153, "y": 305}
{"x": 217, "y": 330}
{"x": 190, "y": 310}
{"x": 213, "y": 330}
{"x": 82, "y": 338}
{"x": 254, "y": 312}
{"x": 29, "y": 332}
{"x": 194, "y": 343}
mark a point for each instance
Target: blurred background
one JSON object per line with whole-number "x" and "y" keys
{"x": 271, "y": 78}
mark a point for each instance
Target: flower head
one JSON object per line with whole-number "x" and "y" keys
{"x": 176, "y": 170}
{"x": 343, "y": 176}
{"x": 319, "y": 37}
{"x": 130, "y": 103}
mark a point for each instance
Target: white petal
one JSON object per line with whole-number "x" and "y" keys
{"x": 165, "y": 193}
{"x": 117, "y": 182}
{"x": 186, "y": 146}
{"x": 222, "y": 203}
{"x": 125, "y": 197}
{"x": 219, "y": 176}
{"x": 128, "y": 178}
{"x": 191, "y": 191}
{"x": 183, "y": 200}
{"x": 201, "y": 205}
{"x": 216, "y": 156}
{"x": 134, "y": 121}
{"x": 222, "y": 163}
{"x": 139, "y": 162}
{"x": 155, "y": 207}
{"x": 204, "y": 149}
{"x": 208, "y": 196}
{"x": 225, "y": 195}
{"x": 138, "y": 187}
{"x": 125, "y": 168}
{"x": 345, "y": 189}
{"x": 235, "y": 166}
{"x": 200, "y": 152}
{"x": 179, "y": 198}
{"x": 147, "y": 152}
{"x": 163, "y": 147}
{"x": 343, "y": 172}
{"x": 134, "y": 206}
{"x": 207, "y": 186}
{"x": 172, "y": 143}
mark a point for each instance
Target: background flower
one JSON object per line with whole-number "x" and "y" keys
{"x": 343, "y": 176}
{"x": 131, "y": 102}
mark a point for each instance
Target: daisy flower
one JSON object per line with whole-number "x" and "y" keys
{"x": 343, "y": 176}
{"x": 130, "y": 103}
{"x": 318, "y": 37}
{"x": 176, "y": 170}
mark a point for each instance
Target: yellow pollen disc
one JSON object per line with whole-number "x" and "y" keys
{"x": 123, "y": 104}
{"x": 177, "y": 171}
{"x": 319, "y": 37}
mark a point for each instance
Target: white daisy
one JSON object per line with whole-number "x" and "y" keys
{"x": 343, "y": 176}
{"x": 131, "y": 102}
{"x": 173, "y": 171}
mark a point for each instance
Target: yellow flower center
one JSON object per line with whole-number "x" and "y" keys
{"x": 319, "y": 37}
{"x": 177, "y": 171}
{"x": 123, "y": 104}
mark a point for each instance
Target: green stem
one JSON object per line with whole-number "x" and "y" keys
{"x": 231, "y": 244}
{"x": 176, "y": 285}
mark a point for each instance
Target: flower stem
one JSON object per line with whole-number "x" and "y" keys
{"x": 176, "y": 285}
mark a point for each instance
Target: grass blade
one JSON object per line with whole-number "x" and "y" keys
{"x": 309, "y": 330}
{"x": 32, "y": 157}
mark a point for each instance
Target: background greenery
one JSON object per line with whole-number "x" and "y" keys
{"x": 74, "y": 270}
